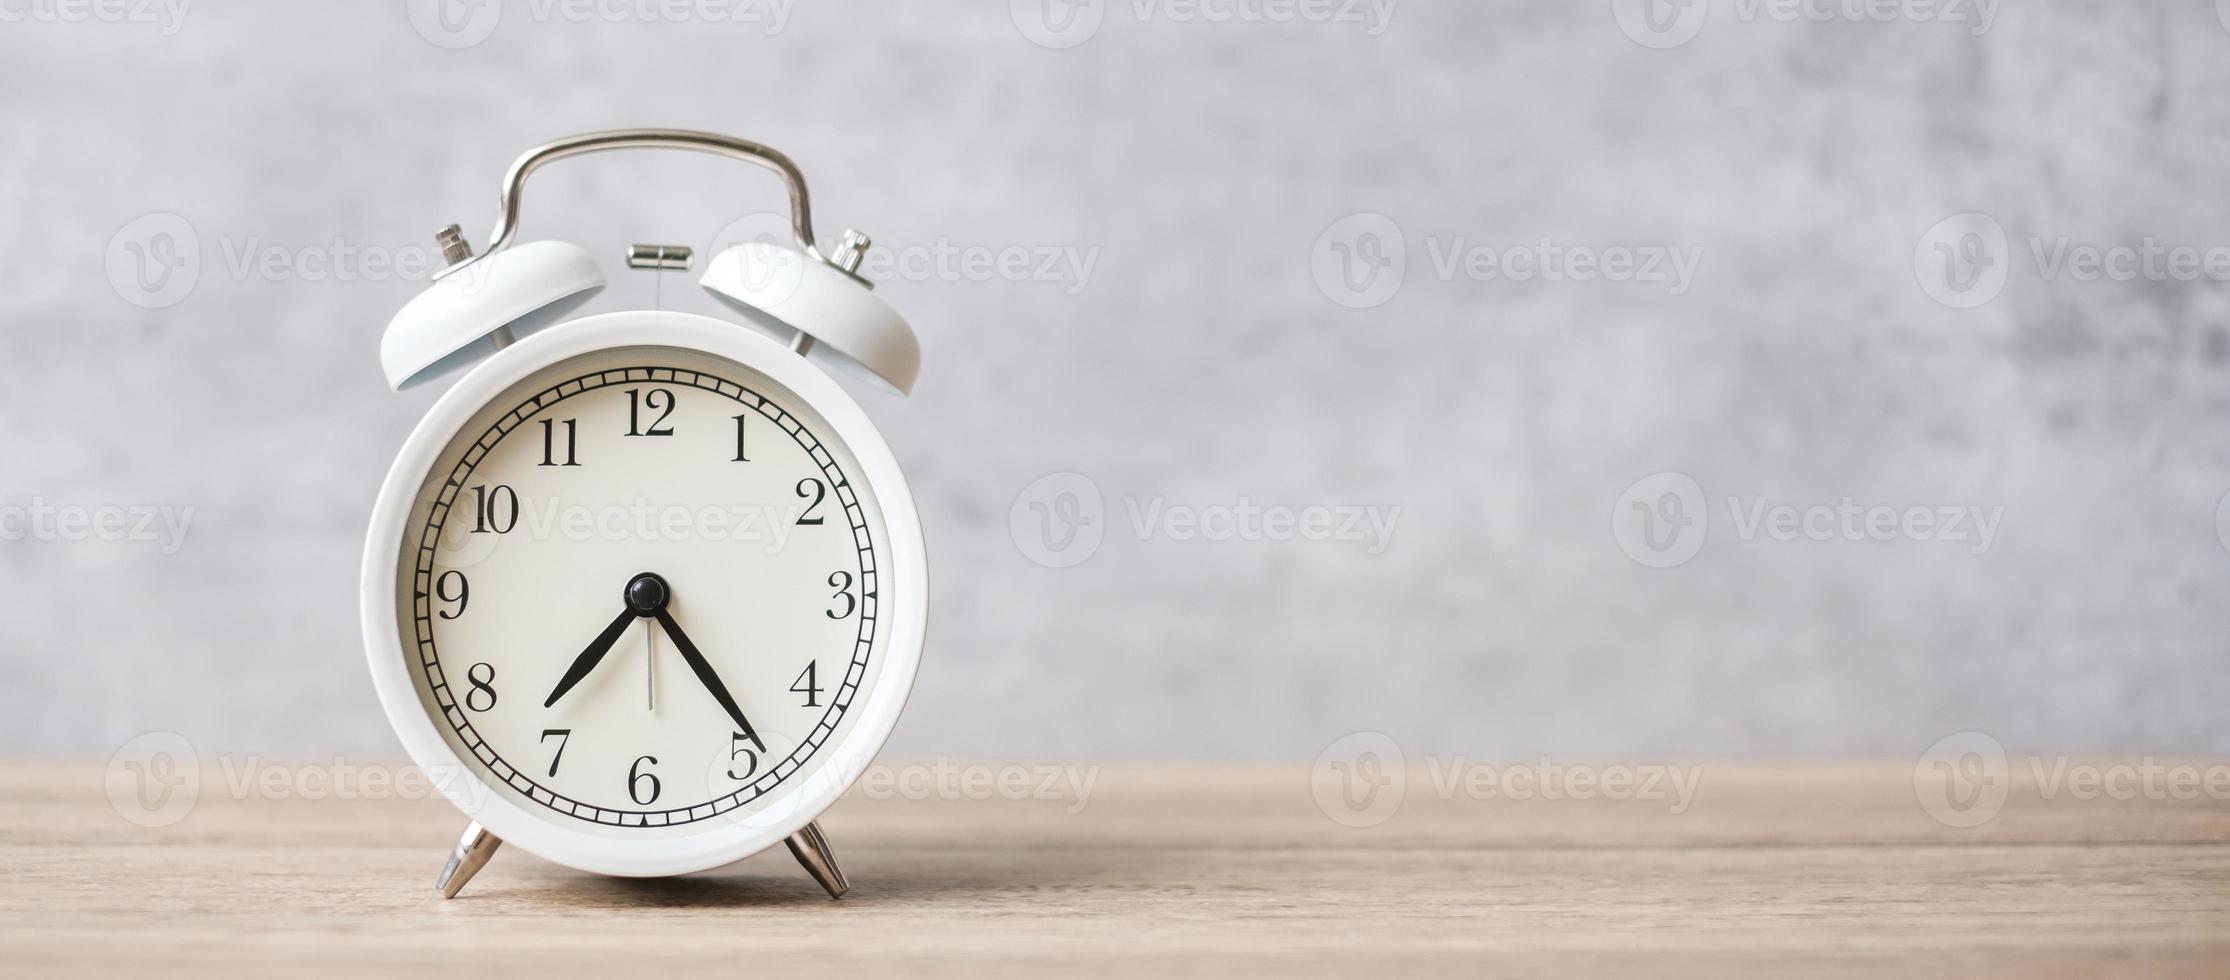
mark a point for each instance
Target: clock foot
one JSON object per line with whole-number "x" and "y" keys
{"x": 811, "y": 848}
{"x": 470, "y": 855}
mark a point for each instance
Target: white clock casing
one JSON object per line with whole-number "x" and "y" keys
{"x": 793, "y": 803}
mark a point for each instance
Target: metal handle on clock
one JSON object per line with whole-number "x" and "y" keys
{"x": 514, "y": 180}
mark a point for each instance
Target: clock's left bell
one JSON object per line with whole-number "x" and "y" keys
{"x": 478, "y": 305}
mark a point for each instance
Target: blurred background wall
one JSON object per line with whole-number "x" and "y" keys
{"x": 1617, "y": 368}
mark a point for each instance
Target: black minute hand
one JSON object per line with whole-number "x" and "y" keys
{"x": 703, "y": 668}
{"x": 592, "y": 656}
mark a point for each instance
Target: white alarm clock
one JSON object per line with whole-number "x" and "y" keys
{"x": 645, "y": 591}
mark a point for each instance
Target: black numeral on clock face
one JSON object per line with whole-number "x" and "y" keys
{"x": 842, "y": 583}
{"x": 483, "y": 693}
{"x": 740, "y": 457}
{"x": 740, "y": 746}
{"x": 638, "y": 778}
{"x": 452, "y": 587}
{"x": 810, "y": 487}
{"x": 808, "y": 684}
{"x": 564, "y": 735}
{"x": 657, "y": 400}
{"x": 549, "y": 442}
{"x": 494, "y": 509}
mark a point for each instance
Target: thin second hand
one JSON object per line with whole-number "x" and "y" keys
{"x": 650, "y": 665}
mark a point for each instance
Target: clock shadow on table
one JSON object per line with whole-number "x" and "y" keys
{"x": 706, "y": 891}
{"x": 753, "y": 883}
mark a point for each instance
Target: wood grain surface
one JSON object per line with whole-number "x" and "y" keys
{"x": 1783, "y": 868}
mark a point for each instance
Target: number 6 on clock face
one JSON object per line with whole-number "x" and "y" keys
{"x": 657, "y": 592}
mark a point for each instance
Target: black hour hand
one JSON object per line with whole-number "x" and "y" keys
{"x": 592, "y": 656}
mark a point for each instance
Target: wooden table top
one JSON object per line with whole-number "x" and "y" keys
{"x": 1785, "y": 868}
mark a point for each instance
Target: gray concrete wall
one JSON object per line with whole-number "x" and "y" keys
{"x": 1201, "y": 329}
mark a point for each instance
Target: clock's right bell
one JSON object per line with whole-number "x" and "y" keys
{"x": 851, "y": 329}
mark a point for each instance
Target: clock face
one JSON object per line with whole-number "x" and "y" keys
{"x": 638, "y": 591}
